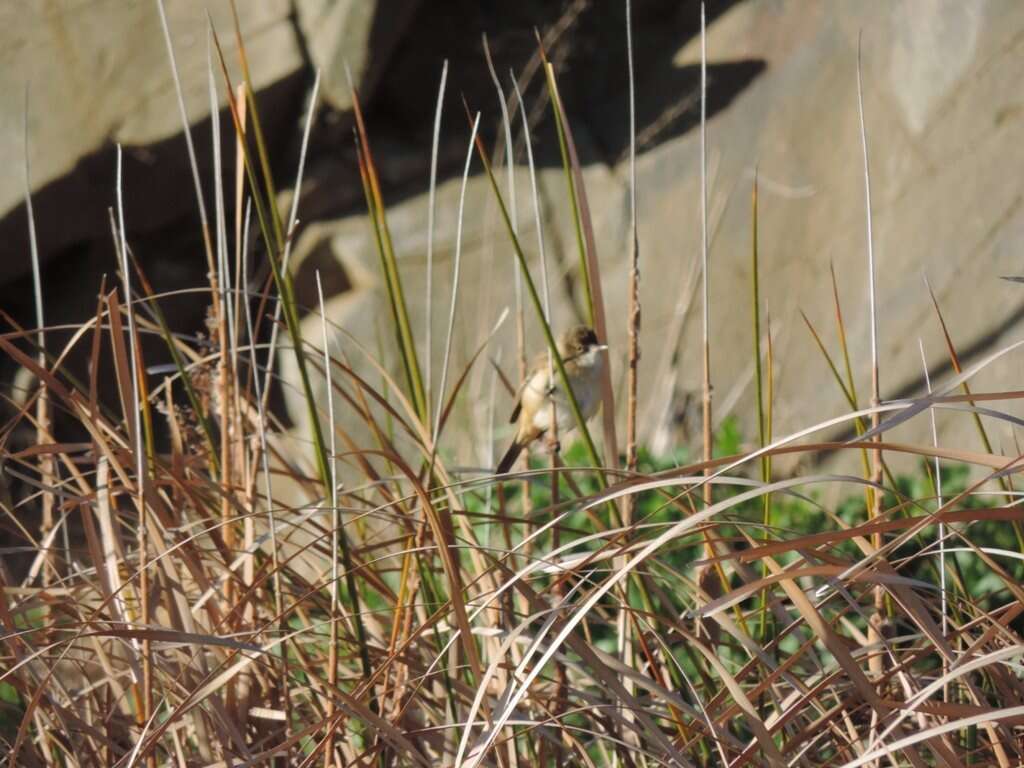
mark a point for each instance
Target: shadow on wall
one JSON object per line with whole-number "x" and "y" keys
{"x": 585, "y": 40}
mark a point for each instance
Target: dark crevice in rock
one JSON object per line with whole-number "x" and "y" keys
{"x": 590, "y": 58}
{"x": 399, "y": 93}
{"x": 163, "y": 226}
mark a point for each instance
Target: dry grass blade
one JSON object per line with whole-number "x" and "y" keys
{"x": 220, "y": 600}
{"x": 535, "y": 299}
{"x": 392, "y": 275}
{"x": 589, "y": 264}
{"x": 428, "y": 323}
{"x": 705, "y": 256}
{"x": 135, "y": 376}
{"x": 455, "y": 281}
{"x": 633, "y": 327}
{"x": 43, "y": 401}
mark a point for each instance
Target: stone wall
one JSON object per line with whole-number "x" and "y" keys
{"x": 943, "y": 117}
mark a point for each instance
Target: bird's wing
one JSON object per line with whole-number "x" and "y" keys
{"x": 539, "y": 361}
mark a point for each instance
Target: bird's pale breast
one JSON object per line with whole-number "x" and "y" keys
{"x": 586, "y": 386}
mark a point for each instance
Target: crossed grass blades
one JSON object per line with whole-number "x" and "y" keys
{"x": 197, "y": 586}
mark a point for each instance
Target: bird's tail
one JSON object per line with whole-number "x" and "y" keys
{"x": 510, "y": 457}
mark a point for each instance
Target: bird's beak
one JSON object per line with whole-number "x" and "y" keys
{"x": 601, "y": 348}
{"x": 1014, "y": 279}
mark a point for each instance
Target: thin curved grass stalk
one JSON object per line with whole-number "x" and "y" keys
{"x": 219, "y": 285}
{"x": 455, "y": 285}
{"x": 545, "y": 287}
{"x": 332, "y": 663}
{"x": 944, "y": 599}
{"x": 448, "y": 348}
{"x": 756, "y": 315}
{"x": 520, "y": 316}
{"x": 517, "y": 278}
{"x": 187, "y": 131}
{"x": 392, "y": 275}
{"x": 759, "y": 386}
{"x": 545, "y": 327}
{"x": 47, "y": 466}
{"x": 431, "y": 211}
{"x": 174, "y": 349}
{"x": 954, "y": 360}
{"x": 875, "y": 509}
{"x": 706, "y": 578}
{"x": 261, "y": 144}
{"x": 541, "y": 251}
{"x": 876, "y": 456}
{"x": 705, "y": 261}
{"x": 292, "y": 219}
{"x": 268, "y": 500}
{"x": 589, "y": 262}
{"x": 626, "y": 632}
{"x": 140, "y": 459}
{"x": 570, "y": 183}
{"x": 241, "y": 209}
{"x": 283, "y": 281}
{"x": 633, "y": 328}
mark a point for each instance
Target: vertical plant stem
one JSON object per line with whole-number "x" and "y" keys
{"x": 634, "y": 279}
{"x": 393, "y": 279}
{"x": 589, "y": 263}
{"x": 455, "y": 290}
{"x": 545, "y": 326}
{"x": 706, "y": 295}
{"x": 46, "y": 462}
{"x": 218, "y": 290}
{"x": 943, "y": 596}
{"x": 332, "y": 663}
{"x": 140, "y": 460}
{"x": 541, "y": 252}
{"x": 625, "y": 626}
{"x": 187, "y": 130}
{"x": 759, "y": 388}
{"x": 261, "y": 144}
{"x": 545, "y": 288}
{"x": 707, "y": 576}
{"x": 431, "y": 211}
{"x": 292, "y": 222}
{"x": 756, "y": 311}
{"x": 284, "y": 701}
{"x": 876, "y": 464}
{"x": 513, "y": 209}
{"x": 876, "y": 620}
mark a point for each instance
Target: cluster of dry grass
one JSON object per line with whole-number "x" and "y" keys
{"x": 175, "y": 611}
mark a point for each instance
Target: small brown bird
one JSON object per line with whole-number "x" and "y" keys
{"x": 584, "y": 366}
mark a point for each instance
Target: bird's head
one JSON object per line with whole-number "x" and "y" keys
{"x": 580, "y": 344}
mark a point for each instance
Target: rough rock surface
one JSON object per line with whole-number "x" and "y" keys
{"x": 339, "y": 32}
{"x": 97, "y": 74}
{"x": 943, "y": 118}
